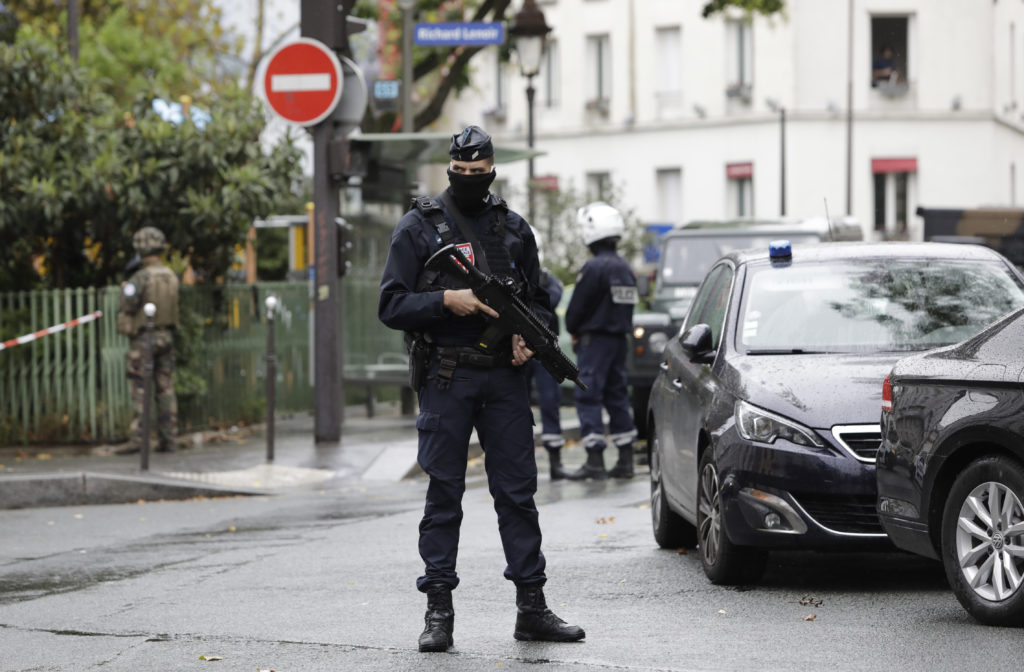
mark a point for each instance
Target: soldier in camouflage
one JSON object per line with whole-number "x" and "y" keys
{"x": 152, "y": 283}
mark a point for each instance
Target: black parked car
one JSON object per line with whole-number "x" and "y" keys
{"x": 951, "y": 467}
{"x": 764, "y": 415}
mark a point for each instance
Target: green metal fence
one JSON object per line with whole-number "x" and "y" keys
{"x": 72, "y": 386}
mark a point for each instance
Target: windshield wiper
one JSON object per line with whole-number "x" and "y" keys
{"x": 787, "y": 351}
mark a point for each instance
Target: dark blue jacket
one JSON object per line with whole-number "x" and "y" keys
{"x": 604, "y": 297}
{"x": 415, "y": 239}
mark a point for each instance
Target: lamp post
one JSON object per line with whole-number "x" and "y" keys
{"x": 530, "y": 33}
{"x": 407, "y": 7}
{"x": 777, "y": 107}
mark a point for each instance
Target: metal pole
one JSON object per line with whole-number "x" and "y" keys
{"x": 530, "y": 91}
{"x": 73, "y": 29}
{"x": 782, "y": 160}
{"x": 271, "y": 303}
{"x": 326, "y": 344}
{"x": 849, "y": 108}
{"x": 147, "y": 382}
{"x": 407, "y": 114}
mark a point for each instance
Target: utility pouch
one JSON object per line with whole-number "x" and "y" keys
{"x": 419, "y": 359}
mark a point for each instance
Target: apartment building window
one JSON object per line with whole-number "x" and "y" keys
{"x": 599, "y": 186}
{"x": 890, "y": 65}
{"x": 599, "y": 73}
{"x": 739, "y": 59}
{"x": 893, "y": 184}
{"x": 552, "y": 75}
{"x": 668, "y": 87}
{"x": 740, "y": 189}
{"x": 670, "y": 195}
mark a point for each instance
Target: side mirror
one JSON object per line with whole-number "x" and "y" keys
{"x": 643, "y": 286}
{"x": 696, "y": 343}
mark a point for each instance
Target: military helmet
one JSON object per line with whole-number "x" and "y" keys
{"x": 598, "y": 221}
{"x": 149, "y": 240}
{"x": 471, "y": 144}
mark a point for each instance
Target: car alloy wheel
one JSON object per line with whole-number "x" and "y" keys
{"x": 724, "y": 562}
{"x": 983, "y": 540}
{"x": 670, "y": 530}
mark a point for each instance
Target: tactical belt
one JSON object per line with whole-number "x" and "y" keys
{"x": 470, "y": 357}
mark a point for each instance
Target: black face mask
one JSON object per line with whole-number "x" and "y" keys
{"x": 470, "y": 190}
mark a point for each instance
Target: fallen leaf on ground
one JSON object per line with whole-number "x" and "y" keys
{"x": 721, "y": 611}
{"x": 79, "y": 516}
{"x": 811, "y": 617}
{"x": 605, "y": 521}
{"x": 602, "y": 536}
{"x": 44, "y": 456}
{"x": 232, "y": 529}
{"x": 211, "y": 658}
{"x": 808, "y": 601}
{"x": 681, "y": 551}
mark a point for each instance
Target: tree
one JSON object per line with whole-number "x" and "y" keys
{"x": 78, "y": 175}
{"x": 763, "y": 7}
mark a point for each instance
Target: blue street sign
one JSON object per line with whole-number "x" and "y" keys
{"x": 457, "y": 34}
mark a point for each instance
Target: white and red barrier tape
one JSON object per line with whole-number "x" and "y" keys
{"x": 28, "y": 338}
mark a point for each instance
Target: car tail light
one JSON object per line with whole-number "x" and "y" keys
{"x": 887, "y": 396}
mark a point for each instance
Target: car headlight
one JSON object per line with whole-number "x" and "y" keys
{"x": 756, "y": 424}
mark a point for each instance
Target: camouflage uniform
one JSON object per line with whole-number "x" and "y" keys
{"x": 157, "y": 284}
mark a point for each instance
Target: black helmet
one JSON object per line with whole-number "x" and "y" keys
{"x": 472, "y": 144}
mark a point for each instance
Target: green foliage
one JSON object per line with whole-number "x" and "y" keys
{"x": 272, "y": 254}
{"x": 78, "y": 175}
{"x": 764, "y": 7}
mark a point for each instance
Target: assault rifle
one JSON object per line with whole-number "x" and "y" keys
{"x": 514, "y": 316}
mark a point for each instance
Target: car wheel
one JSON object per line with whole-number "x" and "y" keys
{"x": 983, "y": 540}
{"x": 670, "y": 529}
{"x": 724, "y": 562}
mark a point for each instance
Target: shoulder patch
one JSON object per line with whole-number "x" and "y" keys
{"x": 625, "y": 294}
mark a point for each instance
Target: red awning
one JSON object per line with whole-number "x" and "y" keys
{"x": 739, "y": 171}
{"x": 893, "y": 166}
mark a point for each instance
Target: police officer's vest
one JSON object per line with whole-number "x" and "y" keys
{"x": 495, "y": 256}
{"x": 158, "y": 285}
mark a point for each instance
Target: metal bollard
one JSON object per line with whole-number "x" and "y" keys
{"x": 271, "y": 302}
{"x": 147, "y": 380}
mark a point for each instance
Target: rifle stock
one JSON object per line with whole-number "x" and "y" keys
{"x": 514, "y": 316}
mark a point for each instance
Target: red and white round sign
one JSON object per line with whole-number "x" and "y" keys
{"x": 302, "y": 81}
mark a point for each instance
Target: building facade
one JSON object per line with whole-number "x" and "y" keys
{"x": 883, "y": 105}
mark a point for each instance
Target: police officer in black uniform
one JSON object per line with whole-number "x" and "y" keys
{"x": 461, "y": 388}
{"x": 599, "y": 316}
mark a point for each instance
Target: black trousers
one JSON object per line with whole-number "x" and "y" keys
{"x": 496, "y": 403}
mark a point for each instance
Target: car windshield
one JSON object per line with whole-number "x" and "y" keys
{"x": 872, "y": 305}
{"x": 686, "y": 260}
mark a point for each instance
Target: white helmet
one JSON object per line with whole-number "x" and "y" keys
{"x": 598, "y": 221}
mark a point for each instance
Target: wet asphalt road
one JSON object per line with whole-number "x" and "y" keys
{"x": 322, "y": 579}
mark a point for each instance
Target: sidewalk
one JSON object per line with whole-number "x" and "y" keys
{"x": 219, "y": 463}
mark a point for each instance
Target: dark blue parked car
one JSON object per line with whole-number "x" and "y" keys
{"x": 765, "y": 411}
{"x": 951, "y": 467}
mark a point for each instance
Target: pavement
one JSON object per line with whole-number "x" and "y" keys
{"x": 233, "y": 461}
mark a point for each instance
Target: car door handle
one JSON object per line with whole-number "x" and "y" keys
{"x": 663, "y": 366}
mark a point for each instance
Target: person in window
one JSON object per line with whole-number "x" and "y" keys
{"x": 884, "y": 67}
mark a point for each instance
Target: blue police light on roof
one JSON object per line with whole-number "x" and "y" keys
{"x": 780, "y": 249}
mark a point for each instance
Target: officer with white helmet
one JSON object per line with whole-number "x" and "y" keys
{"x": 599, "y": 317}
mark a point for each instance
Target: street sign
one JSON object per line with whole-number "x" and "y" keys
{"x": 302, "y": 81}
{"x": 459, "y": 34}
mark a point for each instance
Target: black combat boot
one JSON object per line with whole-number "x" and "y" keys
{"x": 439, "y": 619}
{"x": 624, "y": 467}
{"x": 536, "y": 623}
{"x": 592, "y": 468}
{"x": 555, "y": 458}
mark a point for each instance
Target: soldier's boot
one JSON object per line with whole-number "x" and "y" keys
{"x": 535, "y": 622}
{"x": 555, "y": 458}
{"x": 593, "y": 468}
{"x": 624, "y": 467}
{"x": 439, "y": 620}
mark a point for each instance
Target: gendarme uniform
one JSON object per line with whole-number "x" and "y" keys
{"x": 152, "y": 283}
{"x": 599, "y": 316}
{"x": 466, "y": 388}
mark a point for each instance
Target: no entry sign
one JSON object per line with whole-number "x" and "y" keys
{"x": 302, "y": 81}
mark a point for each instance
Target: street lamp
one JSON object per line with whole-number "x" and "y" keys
{"x": 529, "y": 32}
{"x": 777, "y": 107}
